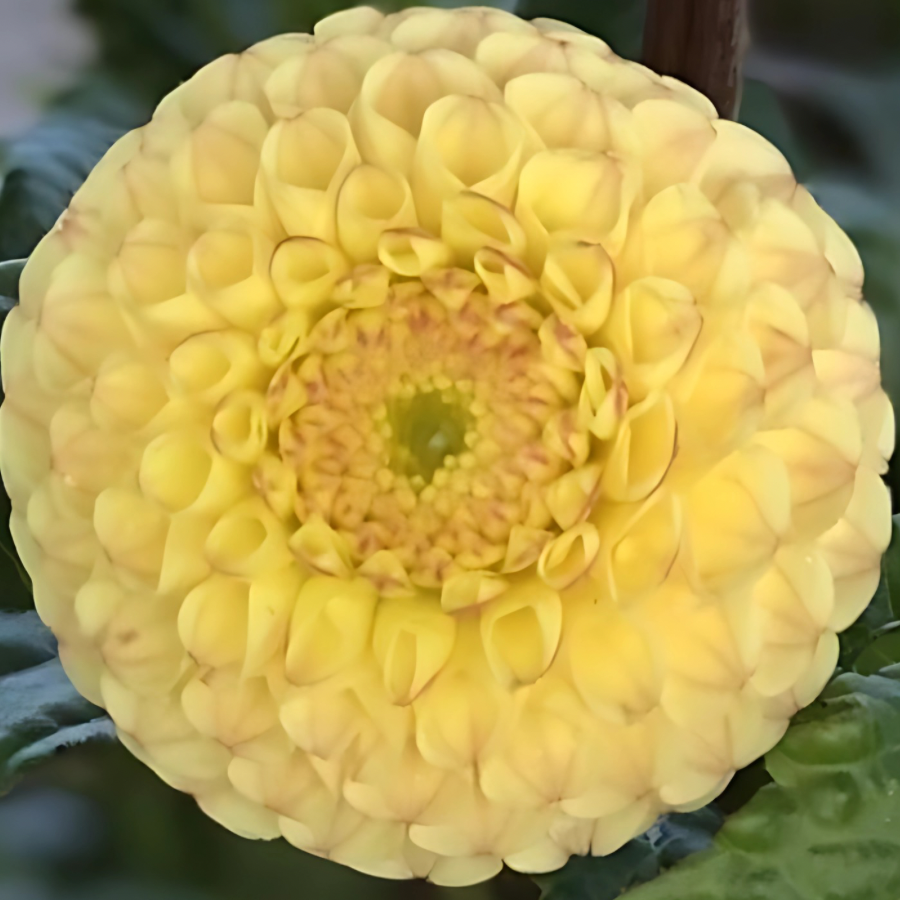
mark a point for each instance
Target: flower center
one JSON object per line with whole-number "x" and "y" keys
{"x": 429, "y": 430}
{"x": 440, "y": 433}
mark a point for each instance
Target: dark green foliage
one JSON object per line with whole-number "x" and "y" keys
{"x": 827, "y": 829}
{"x": 670, "y": 840}
{"x": 40, "y": 713}
{"x": 879, "y": 620}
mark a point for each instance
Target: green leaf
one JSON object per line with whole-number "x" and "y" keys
{"x": 600, "y": 877}
{"x": 44, "y": 167}
{"x": 880, "y": 615}
{"x": 890, "y": 569}
{"x": 24, "y": 642}
{"x": 671, "y": 839}
{"x": 827, "y": 829}
{"x": 41, "y": 713}
{"x": 884, "y": 651}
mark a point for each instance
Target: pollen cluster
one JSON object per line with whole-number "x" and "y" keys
{"x": 443, "y": 443}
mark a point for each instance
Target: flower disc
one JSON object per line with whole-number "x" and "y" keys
{"x": 443, "y": 443}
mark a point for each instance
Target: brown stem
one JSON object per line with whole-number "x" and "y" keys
{"x": 701, "y": 42}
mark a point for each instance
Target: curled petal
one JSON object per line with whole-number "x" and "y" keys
{"x": 366, "y": 286}
{"x": 222, "y": 156}
{"x": 571, "y": 497}
{"x": 471, "y": 589}
{"x": 471, "y": 221}
{"x": 524, "y": 547}
{"x": 276, "y": 483}
{"x": 562, "y": 345}
{"x": 506, "y": 56}
{"x": 575, "y": 196}
{"x": 206, "y": 367}
{"x": 393, "y": 784}
{"x": 444, "y": 165}
{"x": 322, "y": 76}
{"x": 96, "y": 604}
{"x": 184, "y": 562}
{"x": 139, "y": 547}
{"x": 287, "y": 337}
{"x": 222, "y": 705}
{"x": 566, "y": 558}
{"x": 563, "y": 436}
{"x": 458, "y": 718}
{"x": 783, "y": 249}
{"x": 853, "y": 547}
{"x": 140, "y": 640}
{"x": 395, "y": 94}
{"x": 719, "y": 399}
{"x": 322, "y": 723}
{"x": 653, "y": 327}
{"x": 564, "y": 112}
{"x": 127, "y": 394}
{"x": 87, "y": 457}
{"x": 358, "y": 20}
{"x": 577, "y": 281}
{"x": 150, "y": 266}
{"x": 736, "y": 515}
{"x": 304, "y": 161}
{"x": 520, "y": 633}
{"x": 228, "y": 269}
{"x": 839, "y": 250}
{"x": 822, "y": 452}
{"x": 412, "y": 251}
{"x": 371, "y": 201}
{"x": 643, "y": 554}
{"x": 797, "y": 599}
{"x": 322, "y": 548}
{"x": 270, "y": 602}
{"x": 452, "y": 287}
{"x": 642, "y": 452}
{"x": 389, "y": 576}
{"x": 305, "y": 271}
{"x": 329, "y": 628}
{"x": 613, "y": 668}
{"x": 506, "y": 279}
{"x": 59, "y": 519}
{"x": 674, "y": 141}
{"x": 704, "y": 665}
{"x": 604, "y": 398}
{"x": 240, "y": 430}
{"x": 686, "y": 240}
{"x": 739, "y": 154}
{"x": 247, "y": 540}
{"x": 412, "y": 644}
{"x": 458, "y": 31}
{"x": 781, "y": 331}
{"x": 179, "y": 472}
{"x": 212, "y": 622}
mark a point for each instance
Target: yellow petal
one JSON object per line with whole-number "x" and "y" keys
{"x": 412, "y": 643}
{"x": 520, "y": 632}
{"x": 329, "y": 628}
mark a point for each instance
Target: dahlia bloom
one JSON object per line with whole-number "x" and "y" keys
{"x": 443, "y": 443}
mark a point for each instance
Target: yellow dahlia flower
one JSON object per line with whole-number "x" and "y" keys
{"x": 443, "y": 443}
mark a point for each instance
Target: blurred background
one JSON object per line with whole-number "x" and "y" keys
{"x": 823, "y": 83}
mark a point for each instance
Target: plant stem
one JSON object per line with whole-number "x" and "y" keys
{"x": 701, "y": 42}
